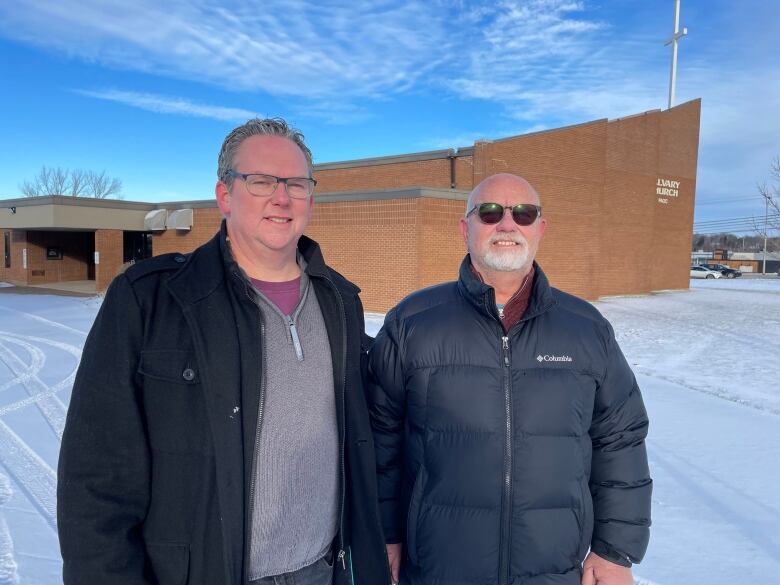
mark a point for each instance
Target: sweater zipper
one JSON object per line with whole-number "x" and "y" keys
{"x": 507, "y": 506}
{"x": 295, "y": 339}
{"x": 341, "y": 557}
{"x": 252, "y": 481}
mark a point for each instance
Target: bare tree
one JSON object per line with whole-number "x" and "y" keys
{"x": 29, "y": 189}
{"x": 771, "y": 195}
{"x": 58, "y": 181}
{"x": 100, "y": 186}
{"x": 76, "y": 183}
{"x": 48, "y": 181}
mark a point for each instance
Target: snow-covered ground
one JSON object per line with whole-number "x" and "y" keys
{"x": 708, "y": 361}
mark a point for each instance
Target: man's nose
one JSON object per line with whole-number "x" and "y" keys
{"x": 507, "y": 224}
{"x": 280, "y": 195}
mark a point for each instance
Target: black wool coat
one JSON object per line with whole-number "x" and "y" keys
{"x": 156, "y": 456}
{"x": 502, "y": 457}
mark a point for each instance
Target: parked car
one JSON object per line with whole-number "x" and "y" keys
{"x": 726, "y": 271}
{"x": 701, "y": 272}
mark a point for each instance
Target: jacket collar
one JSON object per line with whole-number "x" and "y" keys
{"x": 207, "y": 267}
{"x": 483, "y": 298}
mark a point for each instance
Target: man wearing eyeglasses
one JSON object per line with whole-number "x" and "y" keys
{"x": 508, "y": 427}
{"x": 218, "y": 431}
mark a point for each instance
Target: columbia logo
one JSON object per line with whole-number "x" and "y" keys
{"x": 553, "y": 358}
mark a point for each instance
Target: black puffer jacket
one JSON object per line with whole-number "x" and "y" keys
{"x": 503, "y": 457}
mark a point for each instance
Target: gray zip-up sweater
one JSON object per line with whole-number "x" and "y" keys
{"x": 295, "y": 506}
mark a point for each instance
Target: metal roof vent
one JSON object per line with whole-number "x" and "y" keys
{"x": 155, "y": 220}
{"x": 180, "y": 219}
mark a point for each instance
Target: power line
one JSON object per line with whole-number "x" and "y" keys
{"x": 756, "y": 226}
{"x": 734, "y": 220}
{"x": 730, "y": 228}
{"x": 726, "y": 200}
{"x": 749, "y": 230}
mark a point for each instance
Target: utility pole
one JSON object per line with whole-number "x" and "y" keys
{"x": 676, "y": 36}
{"x": 766, "y": 217}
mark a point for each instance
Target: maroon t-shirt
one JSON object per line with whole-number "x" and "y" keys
{"x": 284, "y": 295}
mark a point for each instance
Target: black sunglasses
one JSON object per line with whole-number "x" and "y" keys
{"x": 492, "y": 213}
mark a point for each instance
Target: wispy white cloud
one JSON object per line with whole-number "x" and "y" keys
{"x": 169, "y": 105}
{"x": 283, "y": 47}
{"x": 530, "y": 55}
{"x": 549, "y": 58}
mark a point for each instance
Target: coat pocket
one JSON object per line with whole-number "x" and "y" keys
{"x": 174, "y": 402}
{"x": 169, "y": 562}
{"x": 173, "y": 366}
{"x": 412, "y": 519}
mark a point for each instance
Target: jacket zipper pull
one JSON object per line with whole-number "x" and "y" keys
{"x": 341, "y": 557}
{"x": 295, "y": 339}
{"x": 505, "y": 345}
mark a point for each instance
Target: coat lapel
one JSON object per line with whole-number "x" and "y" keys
{"x": 200, "y": 288}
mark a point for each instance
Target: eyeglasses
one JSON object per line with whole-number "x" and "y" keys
{"x": 261, "y": 185}
{"x": 492, "y": 213}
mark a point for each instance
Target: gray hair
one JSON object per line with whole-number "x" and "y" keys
{"x": 256, "y": 127}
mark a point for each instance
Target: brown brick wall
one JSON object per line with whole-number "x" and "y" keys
{"x": 464, "y": 173}
{"x": 390, "y": 248}
{"x": 35, "y": 260}
{"x": 430, "y": 173}
{"x": 364, "y": 240}
{"x": 441, "y": 246}
{"x": 109, "y": 245}
{"x": 205, "y": 223}
{"x": 678, "y": 151}
{"x": 629, "y": 205}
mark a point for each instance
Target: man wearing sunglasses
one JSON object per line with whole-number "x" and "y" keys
{"x": 218, "y": 431}
{"x": 508, "y": 427}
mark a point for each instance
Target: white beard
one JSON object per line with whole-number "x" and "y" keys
{"x": 509, "y": 259}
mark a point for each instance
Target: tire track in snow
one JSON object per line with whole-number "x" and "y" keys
{"x": 67, "y": 382}
{"x": 51, "y": 407}
{"x": 32, "y": 474}
{"x": 37, "y": 359}
{"x": 8, "y": 567}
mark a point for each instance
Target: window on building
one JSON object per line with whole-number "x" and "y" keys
{"x": 7, "y": 248}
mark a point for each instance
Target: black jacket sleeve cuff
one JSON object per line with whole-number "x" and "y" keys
{"x": 605, "y": 551}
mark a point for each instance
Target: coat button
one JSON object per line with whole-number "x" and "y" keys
{"x": 188, "y": 374}
{"x": 179, "y": 259}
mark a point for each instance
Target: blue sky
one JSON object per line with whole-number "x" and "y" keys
{"x": 147, "y": 90}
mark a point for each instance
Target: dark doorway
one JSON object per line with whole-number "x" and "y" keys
{"x": 7, "y": 248}
{"x": 136, "y": 246}
{"x": 90, "y": 246}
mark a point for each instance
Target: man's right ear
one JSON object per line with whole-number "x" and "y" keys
{"x": 223, "y": 198}
{"x": 464, "y": 230}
